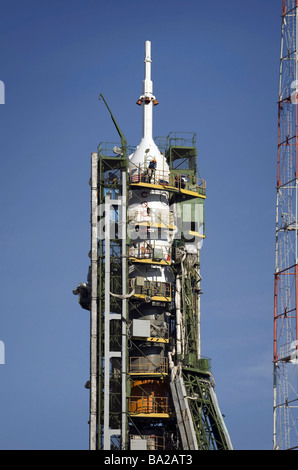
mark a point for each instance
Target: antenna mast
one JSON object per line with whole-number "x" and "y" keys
{"x": 285, "y": 357}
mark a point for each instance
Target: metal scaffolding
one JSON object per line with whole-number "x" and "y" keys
{"x": 285, "y": 387}
{"x": 150, "y": 387}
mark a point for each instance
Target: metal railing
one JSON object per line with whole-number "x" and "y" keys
{"x": 153, "y": 442}
{"x": 109, "y": 149}
{"x": 150, "y": 288}
{"x": 167, "y": 179}
{"x": 176, "y": 138}
{"x": 182, "y": 139}
{"x": 150, "y": 250}
{"x": 148, "y": 405}
{"x": 151, "y": 216}
{"x": 145, "y": 365}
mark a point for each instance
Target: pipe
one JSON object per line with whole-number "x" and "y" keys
{"x": 178, "y": 315}
{"x": 124, "y": 312}
{"x": 93, "y": 309}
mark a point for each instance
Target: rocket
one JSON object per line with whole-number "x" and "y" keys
{"x": 150, "y": 388}
{"x": 151, "y": 222}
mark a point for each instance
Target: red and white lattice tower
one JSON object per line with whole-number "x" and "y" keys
{"x": 285, "y": 360}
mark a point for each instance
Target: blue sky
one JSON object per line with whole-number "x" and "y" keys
{"x": 215, "y": 72}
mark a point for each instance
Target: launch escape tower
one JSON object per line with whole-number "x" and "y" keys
{"x": 285, "y": 371}
{"x": 150, "y": 387}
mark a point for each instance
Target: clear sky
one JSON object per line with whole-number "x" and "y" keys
{"x": 215, "y": 72}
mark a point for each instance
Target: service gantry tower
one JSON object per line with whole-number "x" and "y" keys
{"x": 285, "y": 359}
{"x": 150, "y": 387}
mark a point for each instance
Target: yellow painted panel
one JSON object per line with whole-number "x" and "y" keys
{"x": 154, "y": 297}
{"x": 170, "y": 188}
{"x": 196, "y": 234}
{"x": 149, "y": 261}
{"x": 150, "y": 415}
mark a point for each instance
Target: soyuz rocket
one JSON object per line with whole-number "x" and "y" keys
{"x": 150, "y": 387}
{"x": 150, "y": 207}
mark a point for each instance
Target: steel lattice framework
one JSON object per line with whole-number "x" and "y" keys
{"x": 150, "y": 387}
{"x": 285, "y": 432}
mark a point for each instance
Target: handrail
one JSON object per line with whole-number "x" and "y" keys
{"x": 148, "y": 405}
{"x": 167, "y": 179}
{"x": 153, "y": 442}
{"x": 151, "y": 288}
{"x": 143, "y": 364}
{"x": 152, "y": 216}
{"x": 150, "y": 250}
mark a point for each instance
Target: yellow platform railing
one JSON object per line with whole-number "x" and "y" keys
{"x": 150, "y": 405}
{"x": 151, "y": 251}
{"x": 152, "y": 289}
{"x": 167, "y": 179}
{"x": 152, "y": 217}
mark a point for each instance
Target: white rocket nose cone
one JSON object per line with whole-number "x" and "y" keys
{"x": 147, "y": 149}
{"x": 144, "y": 154}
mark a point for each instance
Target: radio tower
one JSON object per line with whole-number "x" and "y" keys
{"x": 285, "y": 406}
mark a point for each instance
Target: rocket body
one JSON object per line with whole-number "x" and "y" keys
{"x": 149, "y": 215}
{"x": 148, "y": 381}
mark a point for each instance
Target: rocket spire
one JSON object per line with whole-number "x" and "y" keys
{"x": 147, "y": 84}
{"x": 147, "y": 99}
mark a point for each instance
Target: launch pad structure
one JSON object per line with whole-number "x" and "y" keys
{"x": 150, "y": 387}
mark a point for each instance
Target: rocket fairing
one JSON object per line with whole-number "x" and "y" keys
{"x": 150, "y": 388}
{"x": 147, "y": 206}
